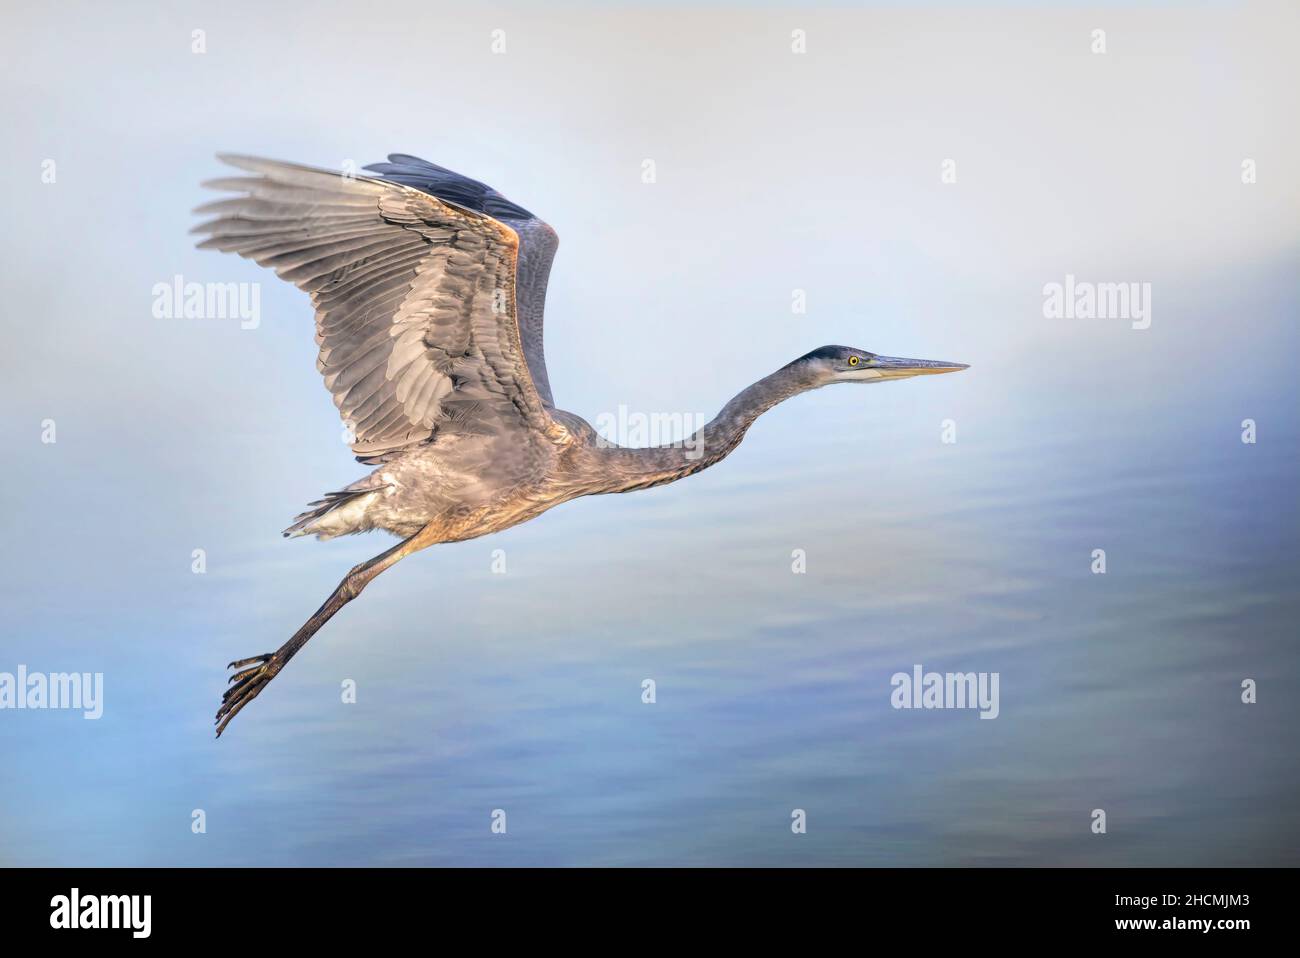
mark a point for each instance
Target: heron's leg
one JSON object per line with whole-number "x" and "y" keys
{"x": 246, "y": 685}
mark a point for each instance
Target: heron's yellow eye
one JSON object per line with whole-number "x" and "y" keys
{"x": 853, "y": 360}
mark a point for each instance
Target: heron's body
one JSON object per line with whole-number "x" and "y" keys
{"x": 429, "y": 291}
{"x": 457, "y": 488}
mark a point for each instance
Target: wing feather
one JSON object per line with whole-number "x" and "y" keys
{"x": 537, "y": 245}
{"x": 416, "y": 298}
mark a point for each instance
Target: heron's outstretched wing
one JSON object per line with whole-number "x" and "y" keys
{"x": 415, "y": 298}
{"x": 537, "y": 244}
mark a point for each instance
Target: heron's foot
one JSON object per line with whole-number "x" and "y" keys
{"x": 246, "y": 685}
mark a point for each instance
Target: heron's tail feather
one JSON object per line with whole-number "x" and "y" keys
{"x": 337, "y": 514}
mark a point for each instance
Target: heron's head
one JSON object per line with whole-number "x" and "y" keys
{"x": 844, "y": 364}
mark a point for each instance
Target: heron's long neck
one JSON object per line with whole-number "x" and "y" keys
{"x": 629, "y": 469}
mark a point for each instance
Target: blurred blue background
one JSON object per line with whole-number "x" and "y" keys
{"x": 776, "y": 172}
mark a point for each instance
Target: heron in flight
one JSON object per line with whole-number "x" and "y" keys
{"x": 428, "y": 289}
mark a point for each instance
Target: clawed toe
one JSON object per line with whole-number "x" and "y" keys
{"x": 240, "y": 676}
{"x": 245, "y": 686}
{"x": 240, "y": 663}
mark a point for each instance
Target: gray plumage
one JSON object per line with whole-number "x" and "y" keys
{"x": 429, "y": 290}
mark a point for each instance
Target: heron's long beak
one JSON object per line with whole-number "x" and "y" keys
{"x": 893, "y": 367}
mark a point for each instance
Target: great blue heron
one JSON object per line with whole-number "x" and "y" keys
{"x": 428, "y": 289}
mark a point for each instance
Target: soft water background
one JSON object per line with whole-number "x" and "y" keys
{"x": 522, "y": 691}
